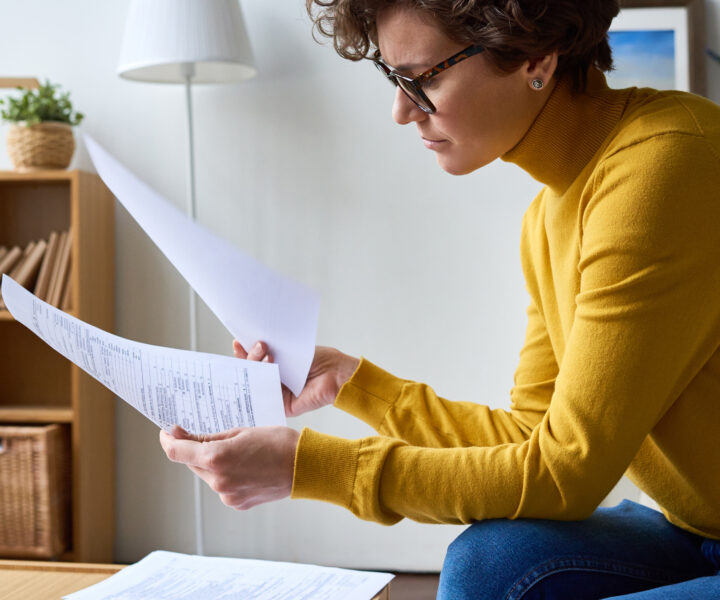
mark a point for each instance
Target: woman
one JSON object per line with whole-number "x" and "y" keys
{"x": 620, "y": 370}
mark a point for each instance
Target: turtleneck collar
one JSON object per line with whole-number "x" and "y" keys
{"x": 569, "y": 130}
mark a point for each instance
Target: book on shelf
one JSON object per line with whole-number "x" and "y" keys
{"x": 67, "y": 298}
{"x": 43, "y": 266}
{"x": 8, "y": 263}
{"x": 25, "y": 265}
{"x": 27, "y": 273}
{"x": 55, "y": 267}
{"x": 60, "y": 278}
{"x": 19, "y": 264}
{"x": 43, "y": 281}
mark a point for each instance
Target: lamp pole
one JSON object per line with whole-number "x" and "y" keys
{"x": 188, "y": 72}
{"x": 188, "y": 42}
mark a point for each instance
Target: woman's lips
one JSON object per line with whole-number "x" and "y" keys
{"x": 433, "y": 144}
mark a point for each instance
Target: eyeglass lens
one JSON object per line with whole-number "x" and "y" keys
{"x": 407, "y": 87}
{"x": 414, "y": 94}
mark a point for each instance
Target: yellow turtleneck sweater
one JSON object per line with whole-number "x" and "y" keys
{"x": 620, "y": 370}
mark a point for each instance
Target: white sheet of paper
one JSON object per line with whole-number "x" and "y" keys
{"x": 253, "y": 302}
{"x": 172, "y": 576}
{"x": 203, "y": 393}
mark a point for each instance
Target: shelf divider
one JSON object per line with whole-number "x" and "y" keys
{"x": 36, "y": 414}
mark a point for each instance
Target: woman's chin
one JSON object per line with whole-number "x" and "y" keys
{"x": 455, "y": 166}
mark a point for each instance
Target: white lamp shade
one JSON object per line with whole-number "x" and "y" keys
{"x": 166, "y": 38}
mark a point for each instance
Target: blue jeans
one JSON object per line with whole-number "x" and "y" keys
{"x": 628, "y": 551}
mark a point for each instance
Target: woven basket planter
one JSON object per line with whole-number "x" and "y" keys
{"x": 47, "y": 145}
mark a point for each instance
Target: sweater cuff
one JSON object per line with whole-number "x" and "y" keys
{"x": 325, "y": 468}
{"x": 369, "y": 393}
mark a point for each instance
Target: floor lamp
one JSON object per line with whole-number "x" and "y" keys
{"x": 188, "y": 42}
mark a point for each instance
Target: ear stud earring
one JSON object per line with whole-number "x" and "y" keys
{"x": 537, "y": 84}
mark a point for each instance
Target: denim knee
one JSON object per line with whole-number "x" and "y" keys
{"x": 619, "y": 550}
{"x": 478, "y": 563}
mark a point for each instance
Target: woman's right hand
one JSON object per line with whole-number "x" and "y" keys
{"x": 330, "y": 369}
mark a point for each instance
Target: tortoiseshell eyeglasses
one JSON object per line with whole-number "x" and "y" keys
{"x": 413, "y": 86}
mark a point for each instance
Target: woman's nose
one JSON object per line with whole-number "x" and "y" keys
{"x": 404, "y": 110}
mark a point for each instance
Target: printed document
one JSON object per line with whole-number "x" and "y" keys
{"x": 171, "y": 576}
{"x": 253, "y": 302}
{"x": 203, "y": 393}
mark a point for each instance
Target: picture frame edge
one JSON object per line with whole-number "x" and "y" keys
{"x": 696, "y": 36}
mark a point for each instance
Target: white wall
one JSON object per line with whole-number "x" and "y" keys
{"x": 303, "y": 168}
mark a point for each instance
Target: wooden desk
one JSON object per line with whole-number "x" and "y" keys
{"x": 29, "y": 580}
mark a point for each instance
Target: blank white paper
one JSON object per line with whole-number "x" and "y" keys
{"x": 252, "y": 301}
{"x": 203, "y": 393}
{"x": 171, "y": 576}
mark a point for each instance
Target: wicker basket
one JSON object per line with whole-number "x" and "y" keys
{"x": 34, "y": 491}
{"x": 48, "y": 145}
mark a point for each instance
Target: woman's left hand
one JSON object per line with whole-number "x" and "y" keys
{"x": 245, "y": 466}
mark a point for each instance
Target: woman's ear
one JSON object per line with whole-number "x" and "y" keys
{"x": 539, "y": 71}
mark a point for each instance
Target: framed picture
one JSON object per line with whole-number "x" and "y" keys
{"x": 659, "y": 44}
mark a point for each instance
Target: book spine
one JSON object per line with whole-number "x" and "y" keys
{"x": 27, "y": 274}
{"x": 19, "y": 265}
{"x": 55, "y": 268}
{"x": 63, "y": 272}
{"x": 43, "y": 280}
{"x": 10, "y": 260}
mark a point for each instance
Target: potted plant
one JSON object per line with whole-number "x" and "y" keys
{"x": 40, "y": 135}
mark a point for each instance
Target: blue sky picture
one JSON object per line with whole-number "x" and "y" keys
{"x": 643, "y": 59}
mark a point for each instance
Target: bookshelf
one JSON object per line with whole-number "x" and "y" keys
{"x": 38, "y": 385}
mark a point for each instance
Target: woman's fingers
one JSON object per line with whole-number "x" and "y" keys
{"x": 239, "y": 350}
{"x": 259, "y": 352}
{"x": 289, "y": 402}
{"x": 179, "y": 433}
{"x": 184, "y": 451}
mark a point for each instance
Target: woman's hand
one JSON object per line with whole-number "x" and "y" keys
{"x": 329, "y": 370}
{"x": 245, "y": 466}
{"x": 250, "y": 466}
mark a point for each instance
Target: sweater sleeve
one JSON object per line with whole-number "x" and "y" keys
{"x": 646, "y": 320}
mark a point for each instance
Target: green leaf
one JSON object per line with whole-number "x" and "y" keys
{"x": 43, "y": 104}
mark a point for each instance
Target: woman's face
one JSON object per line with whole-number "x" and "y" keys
{"x": 480, "y": 114}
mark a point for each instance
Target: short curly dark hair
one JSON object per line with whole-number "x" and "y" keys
{"x": 512, "y": 31}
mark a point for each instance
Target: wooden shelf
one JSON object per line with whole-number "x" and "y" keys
{"x": 35, "y": 414}
{"x": 37, "y": 384}
{"x": 42, "y": 175}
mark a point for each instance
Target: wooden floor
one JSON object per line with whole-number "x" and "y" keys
{"x": 414, "y": 587}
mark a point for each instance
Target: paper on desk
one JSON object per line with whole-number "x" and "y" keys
{"x": 171, "y": 576}
{"x": 204, "y": 393}
{"x": 253, "y": 302}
